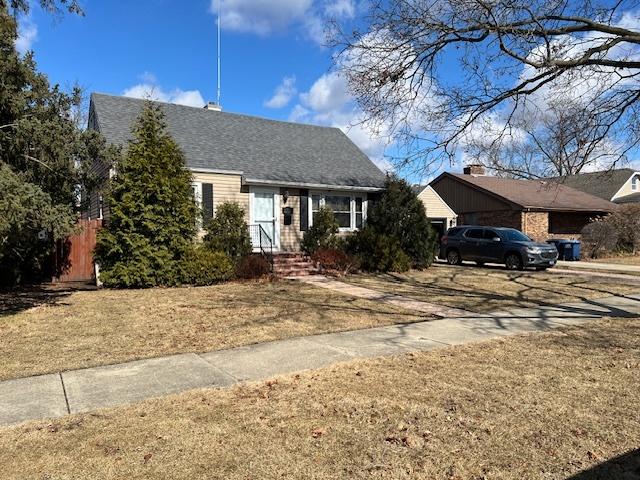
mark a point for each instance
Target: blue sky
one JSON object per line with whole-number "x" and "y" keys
{"x": 273, "y": 61}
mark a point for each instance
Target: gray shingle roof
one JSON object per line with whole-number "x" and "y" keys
{"x": 262, "y": 149}
{"x": 632, "y": 198}
{"x": 601, "y": 184}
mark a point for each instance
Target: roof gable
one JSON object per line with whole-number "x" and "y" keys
{"x": 262, "y": 149}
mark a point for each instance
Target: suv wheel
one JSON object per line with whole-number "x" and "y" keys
{"x": 453, "y": 257}
{"x": 513, "y": 262}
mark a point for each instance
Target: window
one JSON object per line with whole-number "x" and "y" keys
{"x": 341, "y": 207}
{"x": 475, "y": 233}
{"x": 100, "y": 207}
{"x": 513, "y": 235}
{"x": 349, "y": 211}
{"x": 359, "y": 212}
{"x": 196, "y": 188}
{"x": 490, "y": 234}
{"x": 634, "y": 183}
{"x": 315, "y": 206}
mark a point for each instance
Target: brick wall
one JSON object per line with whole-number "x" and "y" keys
{"x": 536, "y": 225}
{"x": 540, "y": 226}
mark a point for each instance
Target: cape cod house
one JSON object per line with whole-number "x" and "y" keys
{"x": 279, "y": 172}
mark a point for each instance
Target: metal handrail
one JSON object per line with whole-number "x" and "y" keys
{"x": 264, "y": 241}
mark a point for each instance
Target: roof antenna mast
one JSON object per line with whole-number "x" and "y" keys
{"x": 219, "y": 9}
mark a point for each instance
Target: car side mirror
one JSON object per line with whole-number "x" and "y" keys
{"x": 496, "y": 239}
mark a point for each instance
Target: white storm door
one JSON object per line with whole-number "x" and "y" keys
{"x": 264, "y": 209}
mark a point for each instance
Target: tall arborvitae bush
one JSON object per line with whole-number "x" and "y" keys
{"x": 153, "y": 214}
{"x": 397, "y": 233}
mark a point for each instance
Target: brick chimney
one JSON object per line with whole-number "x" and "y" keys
{"x": 474, "y": 169}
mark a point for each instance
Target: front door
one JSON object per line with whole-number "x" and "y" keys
{"x": 264, "y": 212}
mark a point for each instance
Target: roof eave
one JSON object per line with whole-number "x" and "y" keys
{"x": 324, "y": 186}
{"x": 567, "y": 209}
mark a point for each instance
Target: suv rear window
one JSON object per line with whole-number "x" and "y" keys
{"x": 473, "y": 233}
{"x": 454, "y": 232}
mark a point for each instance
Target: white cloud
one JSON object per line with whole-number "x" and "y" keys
{"x": 266, "y": 17}
{"x": 283, "y": 94}
{"x": 329, "y": 103}
{"x": 150, "y": 90}
{"x": 328, "y": 94}
{"x": 340, "y": 9}
{"x": 27, "y": 35}
{"x": 260, "y": 16}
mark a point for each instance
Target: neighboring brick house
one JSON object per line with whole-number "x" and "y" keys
{"x": 540, "y": 209}
{"x": 279, "y": 172}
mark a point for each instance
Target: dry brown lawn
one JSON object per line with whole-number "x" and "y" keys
{"x": 491, "y": 289}
{"x": 49, "y": 331}
{"x": 542, "y": 406}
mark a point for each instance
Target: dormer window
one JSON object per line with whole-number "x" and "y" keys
{"x": 635, "y": 182}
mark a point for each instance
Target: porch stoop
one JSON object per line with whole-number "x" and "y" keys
{"x": 292, "y": 264}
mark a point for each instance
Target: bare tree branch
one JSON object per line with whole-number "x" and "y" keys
{"x": 433, "y": 72}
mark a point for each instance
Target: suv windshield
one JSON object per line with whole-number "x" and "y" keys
{"x": 514, "y": 236}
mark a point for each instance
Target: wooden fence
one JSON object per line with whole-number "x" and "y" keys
{"x": 73, "y": 260}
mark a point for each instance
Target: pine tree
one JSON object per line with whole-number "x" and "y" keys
{"x": 153, "y": 214}
{"x": 400, "y": 215}
{"x": 43, "y": 146}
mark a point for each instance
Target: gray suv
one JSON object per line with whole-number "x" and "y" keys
{"x": 508, "y": 246}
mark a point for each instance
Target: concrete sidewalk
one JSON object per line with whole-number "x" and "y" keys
{"x": 603, "y": 276}
{"x": 599, "y": 267}
{"x": 55, "y": 395}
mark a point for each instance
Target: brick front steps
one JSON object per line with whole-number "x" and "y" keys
{"x": 292, "y": 265}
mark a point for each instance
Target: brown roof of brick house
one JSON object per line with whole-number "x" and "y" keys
{"x": 536, "y": 195}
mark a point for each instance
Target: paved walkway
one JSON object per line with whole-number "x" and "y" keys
{"x": 59, "y": 394}
{"x": 608, "y": 267}
{"x": 390, "y": 298}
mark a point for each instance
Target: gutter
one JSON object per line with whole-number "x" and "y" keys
{"x": 256, "y": 181}
{"x": 215, "y": 170}
{"x": 564, "y": 209}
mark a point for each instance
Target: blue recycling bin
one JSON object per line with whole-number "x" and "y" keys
{"x": 572, "y": 250}
{"x": 560, "y": 244}
{"x": 567, "y": 249}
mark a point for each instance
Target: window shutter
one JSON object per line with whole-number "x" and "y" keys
{"x": 207, "y": 201}
{"x": 304, "y": 210}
